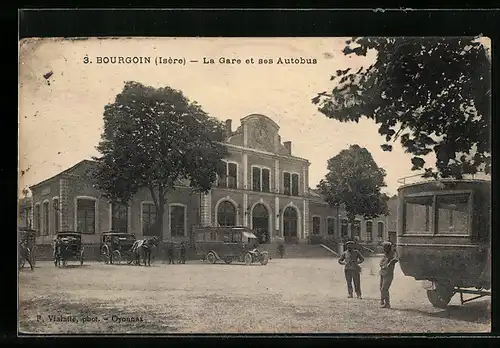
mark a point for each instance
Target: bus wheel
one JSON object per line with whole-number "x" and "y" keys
{"x": 211, "y": 257}
{"x": 441, "y": 296}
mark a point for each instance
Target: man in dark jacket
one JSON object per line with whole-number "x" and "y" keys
{"x": 351, "y": 258}
{"x": 387, "y": 273}
{"x": 182, "y": 252}
{"x": 170, "y": 252}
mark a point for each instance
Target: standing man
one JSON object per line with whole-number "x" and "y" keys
{"x": 170, "y": 252}
{"x": 281, "y": 245}
{"x": 387, "y": 273}
{"x": 182, "y": 252}
{"x": 351, "y": 258}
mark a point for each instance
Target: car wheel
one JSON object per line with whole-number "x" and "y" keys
{"x": 117, "y": 258}
{"x": 248, "y": 259}
{"x": 211, "y": 257}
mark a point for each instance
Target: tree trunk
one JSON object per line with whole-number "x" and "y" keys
{"x": 161, "y": 212}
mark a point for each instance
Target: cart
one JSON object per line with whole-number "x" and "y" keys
{"x": 68, "y": 246}
{"x": 228, "y": 244}
{"x": 444, "y": 238}
{"x": 116, "y": 247}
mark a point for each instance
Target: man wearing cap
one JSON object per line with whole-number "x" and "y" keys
{"x": 387, "y": 273}
{"x": 351, "y": 258}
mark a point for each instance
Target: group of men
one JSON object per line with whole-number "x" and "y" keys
{"x": 169, "y": 252}
{"x": 351, "y": 258}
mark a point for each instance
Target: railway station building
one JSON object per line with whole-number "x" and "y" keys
{"x": 265, "y": 188}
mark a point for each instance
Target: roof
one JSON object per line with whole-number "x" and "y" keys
{"x": 64, "y": 172}
{"x": 249, "y": 235}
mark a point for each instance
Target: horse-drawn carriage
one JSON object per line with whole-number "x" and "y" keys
{"x": 68, "y": 246}
{"x": 117, "y": 247}
{"x": 228, "y": 244}
{"x": 444, "y": 237}
{"x": 27, "y": 246}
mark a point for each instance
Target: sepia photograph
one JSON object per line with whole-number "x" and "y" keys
{"x": 174, "y": 185}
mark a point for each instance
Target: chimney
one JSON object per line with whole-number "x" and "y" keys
{"x": 288, "y": 146}
{"x": 229, "y": 131}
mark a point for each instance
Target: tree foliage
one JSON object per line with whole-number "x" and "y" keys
{"x": 155, "y": 138}
{"x": 354, "y": 180}
{"x": 432, "y": 93}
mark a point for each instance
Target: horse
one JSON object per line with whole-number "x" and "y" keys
{"x": 61, "y": 251}
{"x": 145, "y": 246}
{"x": 24, "y": 254}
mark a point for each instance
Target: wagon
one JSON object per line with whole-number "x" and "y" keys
{"x": 28, "y": 236}
{"x": 68, "y": 246}
{"x": 228, "y": 244}
{"x": 444, "y": 238}
{"x": 116, "y": 247}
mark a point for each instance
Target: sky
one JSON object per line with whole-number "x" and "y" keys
{"x": 61, "y": 115}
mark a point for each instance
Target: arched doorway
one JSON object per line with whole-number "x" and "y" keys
{"x": 226, "y": 214}
{"x": 260, "y": 222}
{"x": 290, "y": 224}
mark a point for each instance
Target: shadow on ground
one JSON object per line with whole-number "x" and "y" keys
{"x": 474, "y": 312}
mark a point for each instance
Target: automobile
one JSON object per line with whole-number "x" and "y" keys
{"x": 228, "y": 244}
{"x": 444, "y": 236}
{"x": 116, "y": 247}
{"x": 68, "y": 246}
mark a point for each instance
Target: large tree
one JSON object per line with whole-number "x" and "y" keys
{"x": 153, "y": 139}
{"x": 432, "y": 93}
{"x": 354, "y": 180}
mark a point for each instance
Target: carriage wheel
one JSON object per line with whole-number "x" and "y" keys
{"x": 117, "y": 258}
{"x": 248, "y": 259}
{"x": 81, "y": 257}
{"x": 264, "y": 258}
{"x": 211, "y": 257}
{"x": 105, "y": 255}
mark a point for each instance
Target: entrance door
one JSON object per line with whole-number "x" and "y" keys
{"x": 290, "y": 224}
{"x": 260, "y": 222}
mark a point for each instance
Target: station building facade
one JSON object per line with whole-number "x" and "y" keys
{"x": 265, "y": 188}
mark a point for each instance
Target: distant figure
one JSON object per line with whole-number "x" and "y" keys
{"x": 182, "y": 252}
{"x": 351, "y": 258}
{"x": 281, "y": 245}
{"x": 170, "y": 253}
{"x": 387, "y": 273}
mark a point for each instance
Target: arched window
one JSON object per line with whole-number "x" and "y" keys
{"x": 226, "y": 214}
{"x": 177, "y": 220}
{"x": 46, "y": 216}
{"x": 316, "y": 225}
{"x": 369, "y": 231}
{"x": 85, "y": 215}
{"x": 290, "y": 224}
{"x": 119, "y": 217}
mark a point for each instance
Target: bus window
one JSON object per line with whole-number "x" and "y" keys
{"x": 213, "y": 236}
{"x": 418, "y": 215}
{"x": 227, "y": 237}
{"x": 200, "y": 236}
{"x": 453, "y": 214}
{"x": 236, "y": 237}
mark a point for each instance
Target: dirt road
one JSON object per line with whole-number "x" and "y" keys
{"x": 286, "y": 296}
